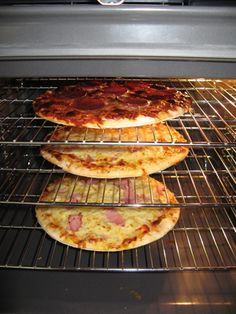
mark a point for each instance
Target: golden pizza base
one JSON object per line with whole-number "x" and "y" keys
{"x": 106, "y": 123}
{"x": 98, "y": 161}
{"x": 107, "y": 228}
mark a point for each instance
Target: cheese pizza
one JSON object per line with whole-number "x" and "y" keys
{"x": 107, "y": 228}
{"x": 111, "y": 104}
{"x": 99, "y": 161}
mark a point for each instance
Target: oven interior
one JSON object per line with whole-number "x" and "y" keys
{"x": 188, "y": 45}
{"x": 204, "y": 185}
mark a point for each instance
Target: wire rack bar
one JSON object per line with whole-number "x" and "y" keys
{"x": 178, "y": 252}
{"x": 31, "y": 134}
{"x": 214, "y": 117}
{"x": 204, "y": 178}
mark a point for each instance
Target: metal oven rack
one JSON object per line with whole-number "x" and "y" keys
{"x": 204, "y": 184}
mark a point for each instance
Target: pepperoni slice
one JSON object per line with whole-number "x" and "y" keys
{"x": 137, "y": 85}
{"x": 75, "y": 93}
{"x": 90, "y": 85}
{"x": 115, "y": 88}
{"x": 134, "y": 101}
{"x": 161, "y": 93}
{"x": 155, "y": 94}
{"x": 89, "y": 103}
{"x": 69, "y": 92}
{"x": 60, "y": 106}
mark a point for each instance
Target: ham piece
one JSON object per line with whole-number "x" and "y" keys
{"x": 76, "y": 197}
{"x": 75, "y": 222}
{"x": 128, "y": 193}
{"x": 115, "y": 217}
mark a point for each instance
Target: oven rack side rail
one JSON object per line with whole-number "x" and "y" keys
{"x": 212, "y": 123}
{"x": 228, "y": 203}
{"x": 118, "y": 269}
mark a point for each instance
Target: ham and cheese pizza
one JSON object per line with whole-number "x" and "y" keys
{"x": 118, "y": 161}
{"x": 107, "y": 228}
{"x": 111, "y": 104}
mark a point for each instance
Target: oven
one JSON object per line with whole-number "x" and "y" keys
{"x": 187, "y": 45}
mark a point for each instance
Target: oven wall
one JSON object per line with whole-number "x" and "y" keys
{"x": 140, "y": 41}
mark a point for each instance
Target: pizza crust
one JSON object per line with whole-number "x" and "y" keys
{"x": 97, "y": 232}
{"x": 168, "y": 156}
{"x": 139, "y": 121}
{"x": 117, "y": 161}
{"x": 120, "y": 123}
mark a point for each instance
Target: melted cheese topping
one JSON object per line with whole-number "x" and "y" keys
{"x": 71, "y": 189}
{"x": 96, "y": 224}
{"x": 102, "y": 161}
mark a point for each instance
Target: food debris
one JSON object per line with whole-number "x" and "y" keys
{"x": 135, "y": 294}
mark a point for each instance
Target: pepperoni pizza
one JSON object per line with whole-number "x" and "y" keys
{"x": 111, "y": 104}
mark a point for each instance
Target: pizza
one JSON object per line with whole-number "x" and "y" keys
{"x": 107, "y": 228}
{"x": 111, "y": 104}
{"x": 116, "y": 161}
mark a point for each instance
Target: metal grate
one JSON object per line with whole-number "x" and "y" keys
{"x": 202, "y": 239}
{"x": 213, "y": 121}
{"x": 204, "y": 184}
{"x": 204, "y": 178}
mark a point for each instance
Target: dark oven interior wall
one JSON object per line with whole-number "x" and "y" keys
{"x": 121, "y": 293}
